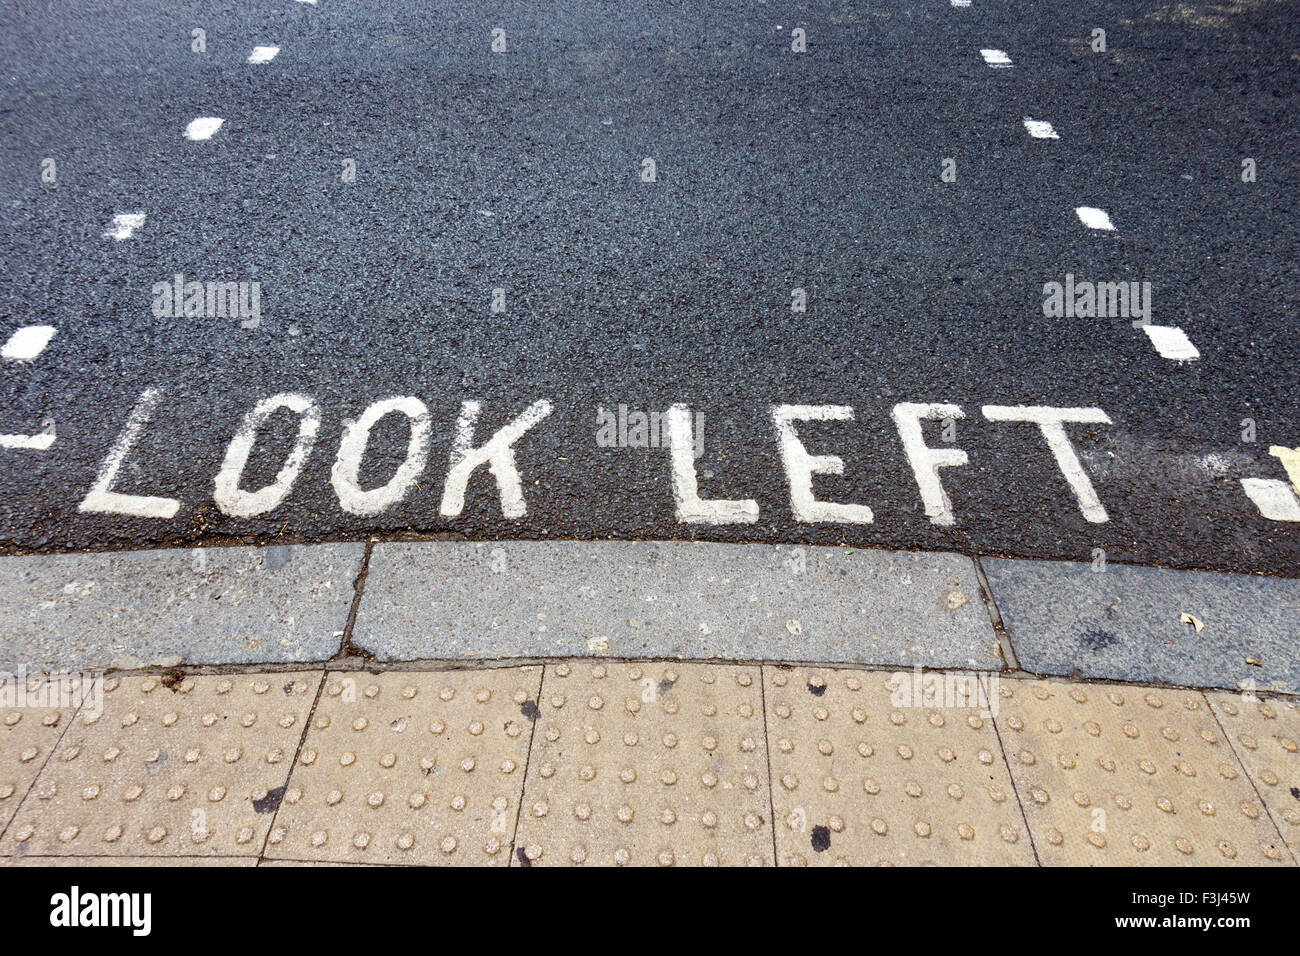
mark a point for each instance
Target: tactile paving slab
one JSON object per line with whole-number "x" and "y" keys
{"x": 647, "y": 765}
{"x": 407, "y": 768}
{"x": 27, "y": 734}
{"x": 864, "y": 773}
{"x": 191, "y": 767}
{"x": 1130, "y": 776}
{"x": 1264, "y": 733}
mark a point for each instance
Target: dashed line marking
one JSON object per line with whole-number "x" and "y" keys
{"x": 1273, "y": 497}
{"x": 1095, "y": 218}
{"x": 27, "y": 343}
{"x": 996, "y": 59}
{"x": 1171, "y": 342}
{"x": 960, "y": 3}
{"x": 263, "y": 54}
{"x": 1040, "y": 129}
{"x": 124, "y": 225}
{"x": 203, "y": 127}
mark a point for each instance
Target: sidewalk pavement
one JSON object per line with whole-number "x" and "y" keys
{"x": 559, "y": 703}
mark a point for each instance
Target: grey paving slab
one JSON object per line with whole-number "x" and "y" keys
{"x": 444, "y": 600}
{"x": 192, "y": 606}
{"x": 1126, "y": 623}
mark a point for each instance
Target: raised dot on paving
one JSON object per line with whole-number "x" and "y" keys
{"x": 415, "y": 769}
{"x": 203, "y": 127}
{"x": 193, "y": 767}
{"x": 656, "y": 764}
{"x": 1115, "y": 775}
{"x": 872, "y": 768}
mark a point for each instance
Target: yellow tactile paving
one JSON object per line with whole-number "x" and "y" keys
{"x": 647, "y": 764}
{"x": 411, "y": 768}
{"x": 1266, "y": 736}
{"x": 1130, "y": 776}
{"x": 191, "y": 768}
{"x": 27, "y": 734}
{"x": 862, "y": 776}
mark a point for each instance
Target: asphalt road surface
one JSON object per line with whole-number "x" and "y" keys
{"x": 387, "y": 171}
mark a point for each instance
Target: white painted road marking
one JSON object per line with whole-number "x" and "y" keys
{"x": 356, "y": 435}
{"x": 1051, "y": 422}
{"x": 234, "y": 501}
{"x": 961, "y": 3}
{"x": 691, "y": 509}
{"x": 124, "y": 225}
{"x": 926, "y": 461}
{"x": 801, "y": 466}
{"x": 496, "y": 453}
{"x": 203, "y": 127}
{"x": 1094, "y": 218}
{"x": 1040, "y": 129}
{"x": 27, "y": 343}
{"x": 263, "y": 54}
{"x": 102, "y": 498}
{"x": 1171, "y": 342}
{"x": 1273, "y": 497}
{"x": 996, "y": 59}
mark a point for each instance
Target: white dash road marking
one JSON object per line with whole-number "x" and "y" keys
{"x": 1273, "y": 497}
{"x": 124, "y": 225}
{"x": 27, "y": 343}
{"x": 1172, "y": 342}
{"x": 263, "y": 54}
{"x": 961, "y": 3}
{"x": 1094, "y": 218}
{"x": 1040, "y": 129}
{"x": 996, "y": 59}
{"x": 203, "y": 127}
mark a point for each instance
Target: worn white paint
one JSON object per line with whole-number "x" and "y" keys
{"x": 102, "y": 498}
{"x": 1051, "y": 422}
{"x": 1273, "y": 497}
{"x": 39, "y": 442}
{"x": 234, "y": 501}
{"x": 497, "y": 453}
{"x": 1094, "y": 218}
{"x": 961, "y": 3}
{"x": 263, "y": 54}
{"x": 801, "y": 466}
{"x": 27, "y": 343}
{"x": 996, "y": 59}
{"x": 203, "y": 127}
{"x": 1040, "y": 129}
{"x": 691, "y": 509}
{"x": 926, "y": 461}
{"x": 1172, "y": 342}
{"x": 352, "y": 448}
{"x": 124, "y": 225}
